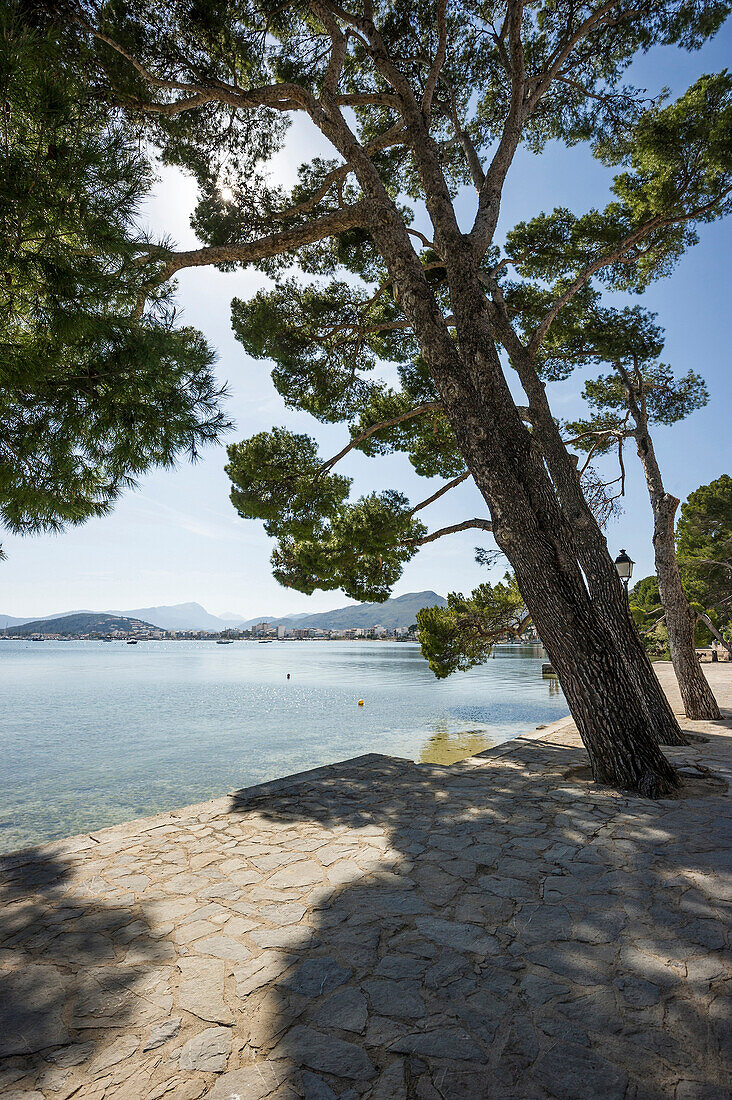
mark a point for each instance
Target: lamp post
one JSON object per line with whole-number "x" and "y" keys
{"x": 624, "y": 566}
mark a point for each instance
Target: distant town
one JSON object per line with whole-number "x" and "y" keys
{"x": 393, "y": 620}
{"x": 261, "y": 632}
{"x": 127, "y": 630}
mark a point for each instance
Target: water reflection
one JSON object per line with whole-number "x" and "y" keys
{"x": 445, "y": 746}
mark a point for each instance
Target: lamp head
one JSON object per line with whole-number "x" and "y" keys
{"x": 624, "y": 566}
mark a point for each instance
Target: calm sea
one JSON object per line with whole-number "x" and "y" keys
{"x": 95, "y": 733}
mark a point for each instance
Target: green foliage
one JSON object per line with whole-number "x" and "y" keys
{"x": 324, "y": 541}
{"x": 680, "y": 160}
{"x": 668, "y": 400}
{"x": 336, "y": 336}
{"x": 644, "y": 595}
{"x": 648, "y": 616}
{"x": 277, "y": 478}
{"x": 703, "y": 530}
{"x": 362, "y": 550}
{"x": 461, "y": 635}
{"x": 704, "y": 546}
{"x": 428, "y": 439}
{"x": 322, "y": 339}
{"x": 90, "y": 396}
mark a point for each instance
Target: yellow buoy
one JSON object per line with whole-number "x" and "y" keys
{"x": 360, "y": 702}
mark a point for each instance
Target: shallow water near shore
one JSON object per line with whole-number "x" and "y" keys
{"x": 95, "y": 733}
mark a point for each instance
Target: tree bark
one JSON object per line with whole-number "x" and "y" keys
{"x": 601, "y": 693}
{"x": 530, "y": 528}
{"x": 594, "y": 558}
{"x": 697, "y": 696}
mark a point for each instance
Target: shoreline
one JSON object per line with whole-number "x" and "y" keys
{"x": 80, "y": 842}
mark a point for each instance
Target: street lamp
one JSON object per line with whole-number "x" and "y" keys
{"x": 624, "y": 566}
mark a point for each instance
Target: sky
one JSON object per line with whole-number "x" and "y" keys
{"x": 177, "y": 537}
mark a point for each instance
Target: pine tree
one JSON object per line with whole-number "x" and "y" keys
{"x": 417, "y": 101}
{"x": 639, "y": 392}
{"x": 95, "y": 387}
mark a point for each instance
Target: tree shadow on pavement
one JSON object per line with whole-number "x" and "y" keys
{"x": 507, "y": 930}
{"x": 74, "y": 968}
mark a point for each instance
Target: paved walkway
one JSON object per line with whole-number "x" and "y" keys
{"x": 498, "y": 928}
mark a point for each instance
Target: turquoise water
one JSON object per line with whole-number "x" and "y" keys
{"x": 94, "y": 733}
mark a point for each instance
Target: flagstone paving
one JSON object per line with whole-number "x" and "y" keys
{"x": 496, "y": 928}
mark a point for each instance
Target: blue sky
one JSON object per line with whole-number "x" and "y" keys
{"x": 177, "y": 538}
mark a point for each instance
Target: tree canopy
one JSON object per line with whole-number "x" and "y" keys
{"x": 704, "y": 546}
{"x": 639, "y": 391}
{"x": 405, "y": 317}
{"x": 416, "y": 101}
{"x": 95, "y": 386}
{"x": 462, "y": 634}
{"x": 704, "y": 551}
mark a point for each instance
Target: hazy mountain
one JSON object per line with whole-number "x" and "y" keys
{"x": 401, "y": 611}
{"x": 10, "y": 620}
{"x": 180, "y": 616}
{"x": 83, "y": 622}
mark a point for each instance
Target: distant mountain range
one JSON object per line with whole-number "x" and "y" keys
{"x": 401, "y": 611}
{"x": 183, "y": 616}
{"x": 82, "y": 622}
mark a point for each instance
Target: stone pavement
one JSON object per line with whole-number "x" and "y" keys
{"x": 376, "y": 929}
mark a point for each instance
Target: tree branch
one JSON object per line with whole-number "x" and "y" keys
{"x": 368, "y": 99}
{"x": 278, "y": 96}
{"x": 386, "y": 140}
{"x": 427, "y": 407}
{"x": 616, "y": 256}
{"x": 593, "y": 21}
{"x": 466, "y": 525}
{"x": 489, "y": 200}
{"x": 471, "y": 153}
{"x": 439, "y": 60}
{"x": 710, "y": 625}
{"x": 441, "y": 492}
{"x": 274, "y": 244}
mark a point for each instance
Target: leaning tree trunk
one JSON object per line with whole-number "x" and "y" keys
{"x": 601, "y": 693}
{"x": 611, "y": 715}
{"x": 714, "y": 632}
{"x": 592, "y": 552}
{"x": 530, "y": 528}
{"x": 697, "y": 696}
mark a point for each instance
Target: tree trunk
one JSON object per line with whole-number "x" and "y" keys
{"x": 530, "y": 528}
{"x": 697, "y": 696}
{"x": 601, "y": 693}
{"x": 612, "y": 717}
{"x": 712, "y": 628}
{"x": 592, "y": 552}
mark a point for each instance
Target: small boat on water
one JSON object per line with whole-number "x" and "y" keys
{"x": 132, "y": 641}
{"x": 224, "y": 641}
{"x": 265, "y": 641}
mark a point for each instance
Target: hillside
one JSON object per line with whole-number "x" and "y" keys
{"x": 181, "y": 616}
{"x": 401, "y": 611}
{"x": 83, "y": 623}
{"x": 10, "y": 621}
